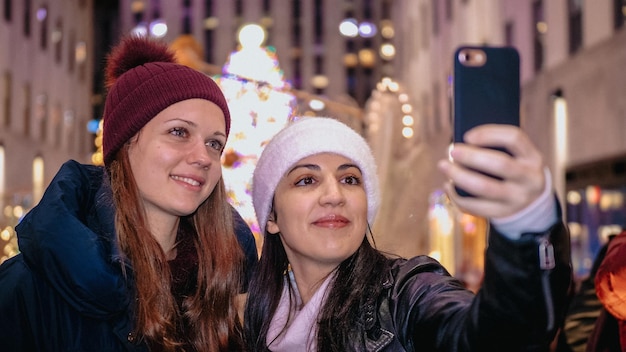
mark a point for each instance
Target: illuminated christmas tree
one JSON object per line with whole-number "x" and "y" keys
{"x": 260, "y": 105}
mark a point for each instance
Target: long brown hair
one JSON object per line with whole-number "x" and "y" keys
{"x": 357, "y": 284}
{"x": 210, "y": 312}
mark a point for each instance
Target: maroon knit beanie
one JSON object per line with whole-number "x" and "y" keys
{"x": 143, "y": 79}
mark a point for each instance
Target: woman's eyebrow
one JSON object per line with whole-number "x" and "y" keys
{"x": 305, "y": 166}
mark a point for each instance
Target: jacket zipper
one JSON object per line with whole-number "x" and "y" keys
{"x": 546, "y": 264}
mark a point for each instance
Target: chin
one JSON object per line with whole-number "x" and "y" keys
{"x": 185, "y": 211}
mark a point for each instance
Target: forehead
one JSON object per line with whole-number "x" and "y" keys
{"x": 201, "y": 109}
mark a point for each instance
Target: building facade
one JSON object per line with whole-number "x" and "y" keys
{"x": 304, "y": 33}
{"x": 572, "y": 106}
{"x": 45, "y": 96}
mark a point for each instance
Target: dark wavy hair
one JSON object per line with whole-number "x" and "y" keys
{"x": 358, "y": 281}
{"x": 210, "y": 312}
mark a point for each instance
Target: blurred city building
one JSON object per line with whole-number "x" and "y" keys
{"x": 572, "y": 105}
{"x": 325, "y": 47}
{"x": 46, "y": 84}
{"x": 382, "y": 65}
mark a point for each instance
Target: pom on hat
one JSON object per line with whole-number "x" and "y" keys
{"x": 133, "y": 52}
{"x": 300, "y": 139}
{"x": 143, "y": 79}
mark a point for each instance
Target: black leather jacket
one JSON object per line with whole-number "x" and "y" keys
{"x": 518, "y": 308}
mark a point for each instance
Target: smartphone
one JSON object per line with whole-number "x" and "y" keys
{"x": 486, "y": 89}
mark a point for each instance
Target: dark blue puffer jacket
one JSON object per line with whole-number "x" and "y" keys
{"x": 65, "y": 291}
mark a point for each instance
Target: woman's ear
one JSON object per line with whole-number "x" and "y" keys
{"x": 272, "y": 227}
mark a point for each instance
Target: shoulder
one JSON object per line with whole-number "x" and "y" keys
{"x": 421, "y": 274}
{"x": 74, "y": 170}
{"x": 420, "y": 264}
{"x": 80, "y": 175}
{"x": 72, "y": 189}
{"x": 421, "y": 297}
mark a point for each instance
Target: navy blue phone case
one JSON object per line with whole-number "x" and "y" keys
{"x": 485, "y": 92}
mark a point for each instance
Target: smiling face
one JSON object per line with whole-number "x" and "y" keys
{"x": 320, "y": 210}
{"x": 175, "y": 157}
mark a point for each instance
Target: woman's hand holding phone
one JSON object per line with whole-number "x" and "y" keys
{"x": 519, "y": 176}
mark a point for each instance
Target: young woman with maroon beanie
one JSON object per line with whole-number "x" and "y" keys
{"x": 145, "y": 253}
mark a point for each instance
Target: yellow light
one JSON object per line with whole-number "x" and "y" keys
{"x": 319, "y": 81}
{"x": 407, "y": 108}
{"x": 367, "y": 57}
{"x": 350, "y": 60}
{"x": 408, "y": 120}
{"x": 407, "y": 132}
{"x": 137, "y": 6}
{"x": 560, "y": 112}
{"x": 606, "y": 201}
{"x": 574, "y": 197}
{"x": 387, "y": 51}
{"x": 80, "y": 52}
{"x": 386, "y": 29}
{"x": 18, "y": 211}
{"x": 38, "y": 179}
{"x": 593, "y": 193}
{"x": 211, "y": 23}
{"x": 5, "y": 234}
{"x": 542, "y": 27}
{"x": 267, "y": 22}
{"x": 97, "y": 159}
{"x": 560, "y": 141}
{"x": 9, "y": 250}
{"x": 251, "y": 36}
{"x": 575, "y": 229}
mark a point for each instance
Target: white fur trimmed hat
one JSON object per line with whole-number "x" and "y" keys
{"x": 300, "y": 139}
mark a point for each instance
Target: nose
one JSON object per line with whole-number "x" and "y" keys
{"x": 332, "y": 194}
{"x": 199, "y": 155}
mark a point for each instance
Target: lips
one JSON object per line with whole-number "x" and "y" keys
{"x": 332, "y": 220}
{"x": 188, "y": 180}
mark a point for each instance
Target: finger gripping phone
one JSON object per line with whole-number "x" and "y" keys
{"x": 486, "y": 89}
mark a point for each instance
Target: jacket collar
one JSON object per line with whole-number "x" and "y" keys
{"x": 376, "y": 337}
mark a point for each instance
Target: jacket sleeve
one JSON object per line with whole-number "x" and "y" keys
{"x": 526, "y": 290}
{"x": 519, "y": 307}
{"x": 57, "y": 242}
